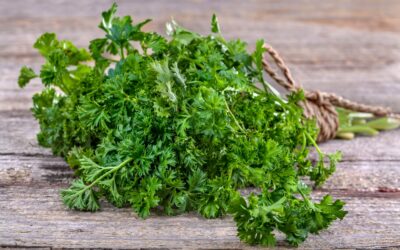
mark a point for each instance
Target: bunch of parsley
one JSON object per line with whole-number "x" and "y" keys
{"x": 179, "y": 125}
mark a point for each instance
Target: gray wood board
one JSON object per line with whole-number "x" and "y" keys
{"x": 34, "y": 217}
{"x": 356, "y": 176}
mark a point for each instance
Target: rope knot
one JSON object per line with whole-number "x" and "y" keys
{"x": 319, "y": 105}
{"x": 317, "y": 97}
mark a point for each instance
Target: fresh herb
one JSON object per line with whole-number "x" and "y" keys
{"x": 179, "y": 125}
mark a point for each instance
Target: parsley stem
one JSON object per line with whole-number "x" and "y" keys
{"x": 104, "y": 175}
{"x": 266, "y": 89}
{"x": 306, "y": 200}
{"x": 304, "y": 141}
{"x": 110, "y": 59}
{"x": 122, "y": 53}
{"x": 233, "y": 116}
{"x": 314, "y": 143}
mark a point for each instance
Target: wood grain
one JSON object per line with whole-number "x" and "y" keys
{"x": 35, "y": 218}
{"x": 47, "y": 170}
{"x": 350, "y": 47}
{"x": 18, "y": 131}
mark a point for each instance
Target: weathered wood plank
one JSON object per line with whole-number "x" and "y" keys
{"x": 33, "y": 170}
{"x": 35, "y": 217}
{"x": 366, "y": 176}
{"x": 383, "y": 147}
{"x": 18, "y": 134}
{"x": 45, "y": 170}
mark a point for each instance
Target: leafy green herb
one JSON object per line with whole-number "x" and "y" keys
{"x": 178, "y": 124}
{"x": 25, "y": 76}
{"x": 214, "y": 24}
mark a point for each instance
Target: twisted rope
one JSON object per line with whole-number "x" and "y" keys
{"x": 320, "y": 105}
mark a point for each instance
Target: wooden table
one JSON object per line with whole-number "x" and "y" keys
{"x": 348, "y": 47}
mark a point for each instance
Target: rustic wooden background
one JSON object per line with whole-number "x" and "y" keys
{"x": 348, "y": 47}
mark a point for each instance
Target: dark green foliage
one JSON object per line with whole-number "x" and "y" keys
{"x": 179, "y": 125}
{"x": 26, "y": 74}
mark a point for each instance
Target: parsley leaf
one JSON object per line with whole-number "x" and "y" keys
{"x": 214, "y": 24}
{"x": 26, "y": 74}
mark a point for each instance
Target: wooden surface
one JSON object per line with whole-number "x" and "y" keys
{"x": 349, "y": 47}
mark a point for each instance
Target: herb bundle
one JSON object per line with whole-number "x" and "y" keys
{"x": 179, "y": 125}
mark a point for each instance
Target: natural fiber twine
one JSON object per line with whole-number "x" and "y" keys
{"x": 319, "y": 105}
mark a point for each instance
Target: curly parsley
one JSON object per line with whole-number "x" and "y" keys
{"x": 178, "y": 124}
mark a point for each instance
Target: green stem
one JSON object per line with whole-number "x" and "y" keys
{"x": 110, "y": 59}
{"x": 230, "y": 174}
{"x": 233, "y": 116}
{"x": 307, "y": 200}
{"x": 266, "y": 89}
{"x": 122, "y": 53}
{"x": 304, "y": 142}
{"x": 345, "y": 135}
{"x": 314, "y": 143}
{"x": 104, "y": 175}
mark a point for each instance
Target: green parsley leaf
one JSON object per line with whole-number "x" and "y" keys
{"x": 214, "y": 24}
{"x": 26, "y": 74}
